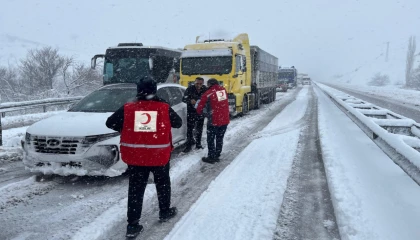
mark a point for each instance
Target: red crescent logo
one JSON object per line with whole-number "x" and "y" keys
{"x": 149, "y": 118}
{"x": 222, "y": 93}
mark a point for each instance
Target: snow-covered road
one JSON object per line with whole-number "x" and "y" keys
{"x": 242, "y": 196}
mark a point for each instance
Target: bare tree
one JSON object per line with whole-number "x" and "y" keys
{"x": 415, "y": 80}
{"x": 7, "y": 79}
{"x": 40, "y": 67}
{"x": 410, "y": 61}
{"x": 44, "y": 73}
{"x": 83, "y": 80}
{"x": 379, "y": 80}
{"x": 11, "y": 85}
{"x": 68, "y": 62}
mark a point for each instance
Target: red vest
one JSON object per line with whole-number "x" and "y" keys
{"x": 146, "y": 138}
{"x": 216, "y": 99}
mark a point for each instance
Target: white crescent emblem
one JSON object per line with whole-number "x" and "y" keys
{"x": 148, "y": 118}
{"x": 221, "y": 95}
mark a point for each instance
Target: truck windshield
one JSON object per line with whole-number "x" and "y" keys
{"x": 286, "y": 75}
{"x": 125, "y": 66}
{"x": 206, "y": 65}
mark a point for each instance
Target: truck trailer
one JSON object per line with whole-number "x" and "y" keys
{"x": 129, "y": 62}
{"x": 247, "y": 72}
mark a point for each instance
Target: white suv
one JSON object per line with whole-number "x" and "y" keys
{"x": 78, "y": 142}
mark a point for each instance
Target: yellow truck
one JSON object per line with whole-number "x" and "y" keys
{"x": 248, "y": 73}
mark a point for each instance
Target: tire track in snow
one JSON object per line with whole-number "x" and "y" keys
{"x": 307, "y": 211}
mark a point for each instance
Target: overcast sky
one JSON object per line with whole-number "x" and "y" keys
{"x": 320, "y": 37}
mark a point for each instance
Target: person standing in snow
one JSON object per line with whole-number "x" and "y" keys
{"x": 146, "y": 146}
{"x": 214, "y": 102}
{"x": 191, "y": 96}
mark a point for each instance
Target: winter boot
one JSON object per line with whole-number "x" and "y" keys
{"x": 133, "y": 230}
{"x": 187, "y": 149}
{"x": 166, "y": 215}
{"x": 209, "y": 160}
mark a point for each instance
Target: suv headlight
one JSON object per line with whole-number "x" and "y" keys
{"x": 90, "y": 140}
{"x": 28, "y": 138}
{"x": 106, "y": 155}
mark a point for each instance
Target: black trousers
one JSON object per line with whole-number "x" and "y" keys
{"x": 138, "y": 177}
{"x": 215, "y": 136}
{"x": 194, "y": 121}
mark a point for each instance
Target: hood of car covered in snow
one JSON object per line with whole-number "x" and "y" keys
{"x": 72, "y": 124}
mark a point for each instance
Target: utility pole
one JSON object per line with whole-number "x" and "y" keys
{"x": 387, "y": 50}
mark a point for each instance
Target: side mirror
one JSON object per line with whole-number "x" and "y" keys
{"x": 93, "y": 60}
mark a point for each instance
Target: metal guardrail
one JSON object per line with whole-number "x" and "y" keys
{"x": 396, "y": 135}
{"x": 16, "y": 106}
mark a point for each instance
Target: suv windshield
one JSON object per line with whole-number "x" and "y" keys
{"x": 105, "y": 100}
{"x": 206, "y": 65}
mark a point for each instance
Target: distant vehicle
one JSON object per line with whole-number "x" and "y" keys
{"x": 282, "y": 85}
{"x": 78, "y": 142}
{"x": 247, "y": 72}
{"x": 129, "y": 62}
{"x": 306, "y": 81}
{"x": 288, "y": 74}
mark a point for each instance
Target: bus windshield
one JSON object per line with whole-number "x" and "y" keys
{"x": 125, "y": 66}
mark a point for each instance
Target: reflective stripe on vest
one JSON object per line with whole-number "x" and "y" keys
{"x": 145, "y": 145}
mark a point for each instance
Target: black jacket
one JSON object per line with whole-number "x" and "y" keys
{"x": 116, "y": 120}
{"x": 190, "y": 94}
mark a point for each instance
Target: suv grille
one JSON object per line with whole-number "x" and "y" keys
{"x": 56, "y": 145}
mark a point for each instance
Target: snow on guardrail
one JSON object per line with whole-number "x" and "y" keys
{"x": 396, "y": 135}
{"x": 17, "y": 106}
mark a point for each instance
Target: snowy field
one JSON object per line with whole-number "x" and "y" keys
{"x": 390, "y": 92}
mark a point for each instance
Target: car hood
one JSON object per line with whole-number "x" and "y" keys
{"x": 72, "y": 124}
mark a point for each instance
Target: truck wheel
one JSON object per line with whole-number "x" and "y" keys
{"x": 270, "y": 96}
{"x": 245, "y": 105}
{"x": 257, "y": 101}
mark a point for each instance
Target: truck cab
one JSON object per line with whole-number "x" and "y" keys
{"x": 248, "y": 73}
{"x": 228, "y": 61}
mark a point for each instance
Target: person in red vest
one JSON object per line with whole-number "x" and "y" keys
{"x": 146, "y": 146}
{"x": 215, "y": 106}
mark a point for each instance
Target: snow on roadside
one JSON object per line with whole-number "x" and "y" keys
{"x": 11, "y": 137}
{"x": 244, "y": 201}
{"x": 11, "y": 144}
{"x": 28, "y": 118}
{"x": 387, "y": 92}
{"x": 373, "y": 198}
